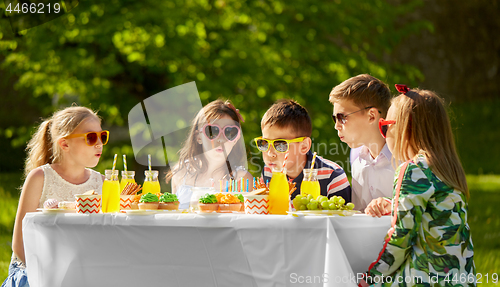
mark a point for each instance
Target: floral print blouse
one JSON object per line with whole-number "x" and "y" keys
{"x": 431, "y": 244}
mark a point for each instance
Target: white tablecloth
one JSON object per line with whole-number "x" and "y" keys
{"x": 199, "y": 250}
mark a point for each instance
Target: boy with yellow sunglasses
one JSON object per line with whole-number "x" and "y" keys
{"x": 286, "y": 128}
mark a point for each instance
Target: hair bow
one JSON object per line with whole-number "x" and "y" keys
{"x": 230, "y": 105}
{"x": 403, "y": 89}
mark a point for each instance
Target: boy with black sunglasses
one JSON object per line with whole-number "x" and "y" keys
{"x": 358, "y": 105}
{"x": 286, "y": 128}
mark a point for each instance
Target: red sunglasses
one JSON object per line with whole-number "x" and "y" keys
{"x": 382, "y": 126}
{"x": 212, "y": 132}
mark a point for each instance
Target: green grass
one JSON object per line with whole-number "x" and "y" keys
{"x": 483, "y": 219}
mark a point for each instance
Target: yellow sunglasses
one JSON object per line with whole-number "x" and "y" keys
{"x": 280, "y": 145}
{"x": 91, "y": 137}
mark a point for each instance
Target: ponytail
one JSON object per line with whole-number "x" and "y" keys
{"x": 39, "y": 148}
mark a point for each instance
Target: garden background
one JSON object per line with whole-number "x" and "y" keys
{"x": 111, "y": 55}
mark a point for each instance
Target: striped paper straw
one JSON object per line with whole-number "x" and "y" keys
{"x": 114, "y": 166}
{"x": 312, "y": 166}
{"x": 125, "y": 163}
{"x": 283, "y": 170}
{"x": 149, "y": 162}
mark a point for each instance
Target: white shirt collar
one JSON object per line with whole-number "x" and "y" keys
{"x": 364, "y": 154}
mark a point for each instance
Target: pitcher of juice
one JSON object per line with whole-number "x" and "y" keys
{"x": 279, "y": 198}
{"x": 151, "y": 183}
{"x": 310, "y": 184}
{"x": 127, "y": 177}
{"x": 110, "y": 192}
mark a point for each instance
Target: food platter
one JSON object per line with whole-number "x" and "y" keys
{"x": 301, "y": 213}
{"x": 153, "y": 211}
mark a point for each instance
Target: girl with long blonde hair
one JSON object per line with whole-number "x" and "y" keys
{"x": 430, "y": 241}
{"x": 56, "y": 168}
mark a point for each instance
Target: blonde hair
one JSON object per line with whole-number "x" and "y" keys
{"x": 43, "y": 147}
{"x": 364, "y": 91}
{"x": 423, "y": 127}
{"x": 191, "y": 155}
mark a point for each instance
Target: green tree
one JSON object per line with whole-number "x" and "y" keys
{"x": 111, "y": 55}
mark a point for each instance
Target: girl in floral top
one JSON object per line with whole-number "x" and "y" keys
{"x": 431, "y": 244}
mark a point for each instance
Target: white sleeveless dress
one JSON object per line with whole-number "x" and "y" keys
{"x": 54, "y": 186}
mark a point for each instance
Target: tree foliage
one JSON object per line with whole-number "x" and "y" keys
{"x": 111, "y": 55}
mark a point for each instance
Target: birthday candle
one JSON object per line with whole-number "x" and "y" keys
{"x": 267, "y": 183}
{"x": 254, "y": 183}
{"x": 242, "y": 184}
{"x": 227, "y": 186}
{"x": 220, "y": 183}
{"x": 247, "y": 183}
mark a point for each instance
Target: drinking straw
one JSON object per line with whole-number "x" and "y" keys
{"x": 283, "y": 170}
{"x": 227, "y": 162}
{"x": 149, "y": 162}
{"x": 312, "y": 166}
{"x": 125, "y": 163}
{"x": 114, "y": 166}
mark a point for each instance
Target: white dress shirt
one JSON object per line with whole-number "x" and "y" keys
{"x": 371, "y": 178}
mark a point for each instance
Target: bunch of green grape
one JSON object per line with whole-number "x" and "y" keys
{"x": 307, "y": 202}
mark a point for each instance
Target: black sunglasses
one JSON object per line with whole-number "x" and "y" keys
{"x": 342, "y": 118}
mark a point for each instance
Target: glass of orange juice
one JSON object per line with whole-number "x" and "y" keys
{"x": 127, "y": 177}
{"x": 310, "y": 184}
{"x": 110, "y": 192}
{"x": 279, "y": 198}
{"x": 151, "y": 183}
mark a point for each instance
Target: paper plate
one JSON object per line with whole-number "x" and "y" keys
{"x": 55, "y": 210}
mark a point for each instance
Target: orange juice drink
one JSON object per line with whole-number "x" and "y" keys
{"x": 310, "y": 184}
{"x": 127, "y": 177}
{"x": 151, "y": 187}
{"x": 278, "y": 194}
{"x": 111, "y": 192}
{"x": 310, "y": 187}
{"x": 151, "y": 183}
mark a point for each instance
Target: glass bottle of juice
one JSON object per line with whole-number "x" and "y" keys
{"x": 151, "y": 183}
{"x": 279, "y": 199}
{"x": 110, "y": 192}
{"x": 310, "y": 184}
{"x": 127, "y": 177}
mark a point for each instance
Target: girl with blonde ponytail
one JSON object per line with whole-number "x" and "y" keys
{"x": 57, "y": 167}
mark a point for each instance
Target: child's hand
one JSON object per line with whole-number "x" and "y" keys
{"x": 362, "y": 282}
{"x": 378, "y": 207}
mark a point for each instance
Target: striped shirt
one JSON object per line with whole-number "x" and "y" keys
{"x": 331, "y": 177}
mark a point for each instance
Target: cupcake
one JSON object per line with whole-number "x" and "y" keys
{"x": 169, "y": 201}
{"x": 51, "y": 203}
{"x": 208, "y": 203}
{"x": 229, "y": 202}
{"x": 148, "y": 201}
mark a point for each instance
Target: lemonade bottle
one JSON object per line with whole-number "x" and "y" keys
{"x": 110, "y": 192}
{"x": 310, "y": 184}
{"x": 151, "y": 183}
{"x": 278, "y": 193}
{"x": 127, "y": 177}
